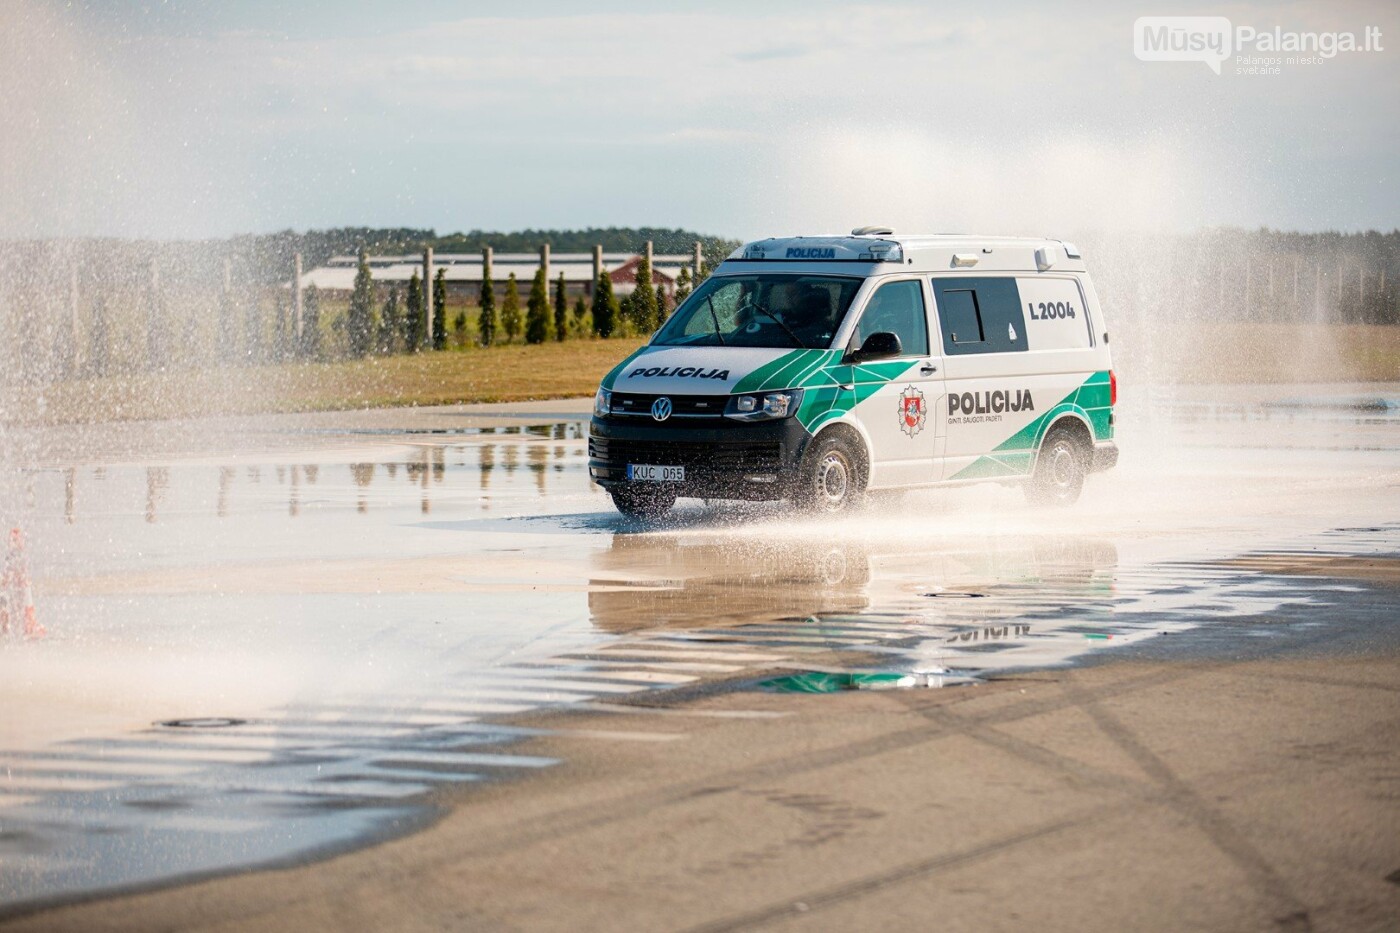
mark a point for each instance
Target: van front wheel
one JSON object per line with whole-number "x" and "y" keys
{"x": 1060, "y": 469}
{"x": 642, "y": 502}
{"x": 833, "y": 479}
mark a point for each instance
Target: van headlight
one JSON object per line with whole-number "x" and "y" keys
{"x": 602, "y": 403}
{"x": 764, "y": 406}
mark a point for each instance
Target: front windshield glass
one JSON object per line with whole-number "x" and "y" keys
{"x": 761, "y": 310}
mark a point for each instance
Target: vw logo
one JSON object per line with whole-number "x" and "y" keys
{"x": 661, "y": 408}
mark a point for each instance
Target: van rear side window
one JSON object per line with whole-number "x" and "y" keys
{"x": 962, "y": 321}
{"x": 979, "y": 315}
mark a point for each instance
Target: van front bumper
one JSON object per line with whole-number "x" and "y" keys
{"x": 723, "y": 459}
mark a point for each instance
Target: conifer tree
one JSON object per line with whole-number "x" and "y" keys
{"x": 561, "y": 309}
{"x": 604, "y": 306}
{"x": 510, "y": 309}
{"x": 413, "y": 315}
{"x": 662, "y": 304}
{"x": 283, "y": 329}
{"x": 391, "y": 325}
{"x": 253, "y": 330}
{"x": 486, "y": 322}
{"x": 537, "y": 311}
{"x": 309, "y": 347}
{"x": 228, "y": 325}
{"x": 99, "y": 347}
{"x": 580, "y": 311}
{"x": 157, "y": 327}
{"x": 645, "y": 315}
{"x": 682, "y": 285}
{"x": 626, "y": 315}
{"x": 459, "y": 328}
{"x": 440, "y": 309}
{"x": 359, "y": 320}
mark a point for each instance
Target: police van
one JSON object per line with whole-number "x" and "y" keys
{"x": 818, "y": 369}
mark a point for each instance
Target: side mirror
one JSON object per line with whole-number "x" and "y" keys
{"x": 878, "y": 346}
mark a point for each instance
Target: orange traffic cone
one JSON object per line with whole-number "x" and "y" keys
{"x": 7, "y": 601}
{"x": 18, "y": 608}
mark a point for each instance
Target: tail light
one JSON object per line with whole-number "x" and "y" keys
{"x": 1112, "y": 388}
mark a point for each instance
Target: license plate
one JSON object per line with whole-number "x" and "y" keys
{"x": 650, "y": 472}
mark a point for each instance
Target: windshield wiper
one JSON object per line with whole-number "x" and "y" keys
{"x": 779, "y": 321}
{"x": 714, "y": 317}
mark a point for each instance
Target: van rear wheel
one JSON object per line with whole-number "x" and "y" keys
{"x": 642, "y": 501}
{"x": 833, "y": 477}
{"x": 1060, "y": 469}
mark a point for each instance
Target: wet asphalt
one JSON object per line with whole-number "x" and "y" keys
{"x": 273, "y": 639}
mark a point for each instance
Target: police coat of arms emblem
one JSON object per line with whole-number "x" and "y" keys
{"x": 912, "y": 411}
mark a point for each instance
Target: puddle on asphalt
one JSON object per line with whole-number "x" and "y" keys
{"x": 1345, "y": 405}
{"x": 253, "y": 662}
{"x": 834, "y": 682}
{"x": 862, "y": 617}
{"x": 575, "y": 429}
{"x": 507, "y": 473}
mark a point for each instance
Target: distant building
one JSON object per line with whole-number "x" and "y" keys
{"x": 463, "y": 270}
{"x": 624, "y": 277}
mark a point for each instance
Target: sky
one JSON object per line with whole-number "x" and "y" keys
{"x": 188, "y": 119}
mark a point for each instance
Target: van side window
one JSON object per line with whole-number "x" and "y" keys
{"x": 897, "y": 308}
{"x": 962, "y": 323}
{"x": 979, "y": 315}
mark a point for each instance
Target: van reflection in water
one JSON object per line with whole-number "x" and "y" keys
{"x": 648, "y": 580}
{"x": 926, "y": 598}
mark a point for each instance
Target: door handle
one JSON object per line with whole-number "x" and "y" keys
{"x": 928, "y": 369}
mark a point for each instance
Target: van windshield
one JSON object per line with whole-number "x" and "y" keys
{"x": 761, "y": 310}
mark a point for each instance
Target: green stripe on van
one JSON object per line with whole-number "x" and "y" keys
{"x": 825, "y": 398}
{"x": 997, "y": 465}
{"x": 784, "y": 372}
{"x": 1015, "y": 455}
{"x": 816, "y": 371}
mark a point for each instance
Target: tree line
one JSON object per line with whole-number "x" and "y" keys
{"x": 401, "y": 324}
{"x": 98, "y": 306}
{"x": 1262, "y": 276}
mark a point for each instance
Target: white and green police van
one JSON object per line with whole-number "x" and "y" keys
{"x": 819, "y": 368}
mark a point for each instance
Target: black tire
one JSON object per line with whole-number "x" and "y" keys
{"x": 1060, "y": 469}
{"x": 642, "y": 501}
{"x": 833, "y": 475}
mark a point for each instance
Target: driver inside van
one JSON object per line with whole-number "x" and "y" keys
{"x": 810, "y": 316}
{"x": 803, "y": 309}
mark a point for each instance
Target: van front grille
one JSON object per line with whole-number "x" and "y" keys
{"x": 632, "y": 404}
{"x": 756, "y": 457}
